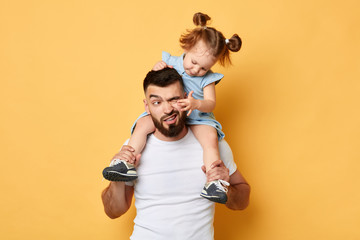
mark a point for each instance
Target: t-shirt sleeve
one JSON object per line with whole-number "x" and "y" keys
{"x": 227, "y": 156}
{"x": 211, "y": 77}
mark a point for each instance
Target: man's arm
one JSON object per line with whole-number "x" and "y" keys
{"x": 116, "y": 199}
{"x": 117, "y": 196}
{"x": 238, "y": 192}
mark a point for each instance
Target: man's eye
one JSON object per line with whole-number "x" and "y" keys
{"x": 156, "y": 103}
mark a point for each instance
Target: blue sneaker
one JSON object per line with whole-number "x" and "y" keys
{"x": 215, "y": 191}
{"x": 120, "y": 171}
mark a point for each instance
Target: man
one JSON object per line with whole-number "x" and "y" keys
{"x": 170, "y": 176}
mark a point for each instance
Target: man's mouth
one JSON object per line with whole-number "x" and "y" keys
{"x": 171, "y": 120}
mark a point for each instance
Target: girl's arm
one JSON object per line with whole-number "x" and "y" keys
{"x": 205, "y": 105}
{"x": 160, "y": 65}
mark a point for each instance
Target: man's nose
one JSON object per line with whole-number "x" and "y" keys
{"x": 168, "y": 107}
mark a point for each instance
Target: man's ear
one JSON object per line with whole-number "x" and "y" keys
{"x": 146, "y": 106}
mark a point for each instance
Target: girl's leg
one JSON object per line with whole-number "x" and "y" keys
{"x": 144, "y": 126}
{"x": 122, "y": 170}
{"x": 207, "y": 136}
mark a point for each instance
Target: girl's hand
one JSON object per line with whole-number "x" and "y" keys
{"x": 160, "y": 65}
{"x": 188, "y": 104}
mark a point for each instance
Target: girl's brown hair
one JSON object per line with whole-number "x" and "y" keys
{"x": 215, "y": 40}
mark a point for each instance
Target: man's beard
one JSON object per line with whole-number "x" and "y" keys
{"x": 174, "y": 129}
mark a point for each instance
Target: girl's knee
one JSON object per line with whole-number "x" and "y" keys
{"x": 145, "y": 124}
{"x": 206, "y": 135}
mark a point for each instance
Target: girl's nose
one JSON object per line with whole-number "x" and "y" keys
{"x": 196, "y": 69}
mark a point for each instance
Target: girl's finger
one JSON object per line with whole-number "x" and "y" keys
{"x": 186, "y": 108}
{"x": 190, "y": 94}
{"x": 183, "y": 105}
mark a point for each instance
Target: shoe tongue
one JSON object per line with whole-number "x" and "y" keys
{"x": 114, "y": 162}
{"x": 222, "y": 185}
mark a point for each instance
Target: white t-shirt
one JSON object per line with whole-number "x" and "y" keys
{"x": 167, "y": 191}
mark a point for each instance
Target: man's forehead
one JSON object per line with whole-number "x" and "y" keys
{"x": 164, "y": 92}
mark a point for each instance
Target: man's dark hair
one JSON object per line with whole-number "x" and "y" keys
{"x": 162, "y": 78}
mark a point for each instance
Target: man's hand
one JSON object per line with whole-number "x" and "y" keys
{"x": 160, "y": 65}
{"x": 127, "y": 153}
{"x": 217, "y": 171}
{"x": 189, "y": 103}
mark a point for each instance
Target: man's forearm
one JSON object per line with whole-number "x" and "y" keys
{"x": 238, "y": 196}
{"x": 116, "y": 199}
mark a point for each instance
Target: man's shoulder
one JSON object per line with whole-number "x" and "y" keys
{"x": 226, "y": 156}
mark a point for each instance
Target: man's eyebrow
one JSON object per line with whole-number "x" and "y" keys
{"x": 173, "y": 98}
{"x": 154, "y": 96}
{"x": 170, "y": 99}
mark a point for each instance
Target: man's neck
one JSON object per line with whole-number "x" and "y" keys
{"x": 162, "y": 137}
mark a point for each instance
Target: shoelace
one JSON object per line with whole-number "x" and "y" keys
{"x": 114, "y": 162}
{"x": 222, "y": 185}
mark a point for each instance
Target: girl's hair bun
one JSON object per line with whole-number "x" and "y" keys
{"x": 234, "y": 43}
{"x": 200, "y": 19}
{"x": 219, "y": 47}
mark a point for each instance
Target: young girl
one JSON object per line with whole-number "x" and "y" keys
{"x": 203, "y": 47}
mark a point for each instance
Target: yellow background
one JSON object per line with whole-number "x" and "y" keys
{"x": 71, "y": 85}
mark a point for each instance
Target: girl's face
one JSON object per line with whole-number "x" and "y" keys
{"x": 198, "y": 60}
